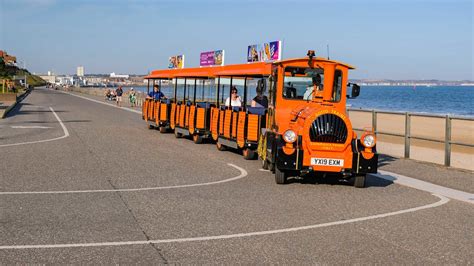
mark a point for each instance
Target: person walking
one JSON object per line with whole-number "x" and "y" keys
{"x": 119, "y": 92}
{"x": 132, "y": 96}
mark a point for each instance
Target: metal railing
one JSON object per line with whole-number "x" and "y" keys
{"x": 408, "y": 136}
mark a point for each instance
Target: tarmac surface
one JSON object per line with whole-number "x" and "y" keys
{"x": 83, "y": 182}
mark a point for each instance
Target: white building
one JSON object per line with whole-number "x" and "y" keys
{"x": 113, "y": 75}
{"x": 80, "y": 71}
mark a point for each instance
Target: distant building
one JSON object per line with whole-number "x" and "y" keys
{"x": 50, "y": 78}
{"x": 119, "y": 76}
{"x": 8, "y": 59}
{"x": 80, "y": 71}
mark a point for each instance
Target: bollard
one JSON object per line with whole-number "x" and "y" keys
{"x": 374, "y": 121}
{"x": 407, "y": 135}
{"x": 447, "y": 142}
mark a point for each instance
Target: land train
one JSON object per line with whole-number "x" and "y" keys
{"x": 302, "y": 127}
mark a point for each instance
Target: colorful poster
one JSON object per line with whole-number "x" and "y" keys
{"x": 254, "y": 53}
{"x": 212, "y": 58}
{"x": 176, "y": 61}
{"x": 272, "y": 51}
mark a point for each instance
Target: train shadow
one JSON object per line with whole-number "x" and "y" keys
{"x": 321, "y": 179}
{"x": 386, "y": 160}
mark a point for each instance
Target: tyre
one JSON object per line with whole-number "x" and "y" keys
{"x": 265, "y": 165}
{"x": 178, "y": 135}
{"x": 359, "y": 181}
{"x": 280, "y": 176}
{"x": 220, "y": 147}
{"x": 197, "y": 139}
{"x": 248, "y": 154}
{"x": 162, "y": 129}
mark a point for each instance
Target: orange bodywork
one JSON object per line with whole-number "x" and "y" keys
{"x": 244, "y": 128}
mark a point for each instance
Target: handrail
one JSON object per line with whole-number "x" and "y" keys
{"x": 407, "y": 135}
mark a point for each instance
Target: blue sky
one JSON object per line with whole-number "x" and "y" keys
{"x": 414, "y": 39}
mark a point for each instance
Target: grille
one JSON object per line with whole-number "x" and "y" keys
{"x": 328, "y": 128}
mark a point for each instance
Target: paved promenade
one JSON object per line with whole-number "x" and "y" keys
{"x": 85, "y": 182}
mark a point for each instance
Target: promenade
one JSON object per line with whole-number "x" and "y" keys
{"x": 86, "y": 182}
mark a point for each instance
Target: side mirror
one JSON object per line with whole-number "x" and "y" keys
{"x": 355, "y": 91}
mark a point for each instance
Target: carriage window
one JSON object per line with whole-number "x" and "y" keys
{"x": 167, "y": 88}
{"x": 337, "y": 90}
{"x": 257, "y": 94}
{"x": 205, "y": 90}
{"x": 189, "y": 89}
{"x": 303, "y": 83}
{"x": 224, "y": 90}
{"x": 180, "y": 89}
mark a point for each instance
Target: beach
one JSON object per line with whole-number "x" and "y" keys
{"x": 424, "y": 127}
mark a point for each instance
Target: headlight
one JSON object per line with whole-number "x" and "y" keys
{"x": 289, "y": 136}
{"x": 368, "y": 140}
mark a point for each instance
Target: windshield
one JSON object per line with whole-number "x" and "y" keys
{"x": 303, "y": 83}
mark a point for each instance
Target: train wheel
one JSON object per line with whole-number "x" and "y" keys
{"x": 162, "y": 129}
{"x": 197, "y": 139}
{"x": 220, "y": 146}
{"x": 359, "y": 181}
{"x": 265, "y": 165}
{"x": 178, "y": 135}
{"x": 280, "y": 176}
{"x": 248, "y": 154}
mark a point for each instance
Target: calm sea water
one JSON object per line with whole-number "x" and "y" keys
{"x": 453, "y": 100}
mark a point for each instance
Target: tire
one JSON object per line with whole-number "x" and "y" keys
{"x": 248, "y": 154}
{"x": 280, "y": 176}
{"x": 197, "y": 139}
{"x": 163, "y": 130}
{"x": 359, "y": 181}
{"x": 265, "y": 165}
{"x": 178, "y": 135}
{"x": 220, "y": 147}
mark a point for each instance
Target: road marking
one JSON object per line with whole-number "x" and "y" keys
{"x": 426, "y": 186}
{"x": 242, "y": 174}
{"x": 108, "y": 104}
{"x": 29, "y": 127}
{"x": 443, "y": 200}
{"x": 66, "y": 134}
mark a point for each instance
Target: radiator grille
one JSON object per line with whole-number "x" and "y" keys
{"x": 328, "y": 128}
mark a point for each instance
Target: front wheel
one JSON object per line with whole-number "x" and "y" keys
{"x": 359, "y": 181}
{"x": 248, "y": 154}
{"x": 280, "y": 176}
{"x": 197, "y": 139}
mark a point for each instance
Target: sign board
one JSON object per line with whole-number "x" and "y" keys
{"x": 270, "y": 51}
{"x": 176, "y": 61}
{"x": 212, "y": 58}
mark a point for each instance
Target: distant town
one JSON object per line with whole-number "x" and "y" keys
{"x": 80, "y": 79}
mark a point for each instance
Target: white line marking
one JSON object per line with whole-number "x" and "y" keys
{"x": 425, "y": 186}
{"x": 243, "y": 174}
{"x": 263, "y": 170}
{"x": 29, "y": 127}
{"x": 108, "y": 104}
{"x": 443, "y": 200}
{"x": 66, "y": 134}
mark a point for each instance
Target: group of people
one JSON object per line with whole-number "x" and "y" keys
{"x": 116, "y": 95}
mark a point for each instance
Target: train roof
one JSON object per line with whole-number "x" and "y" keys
{"x": 247, "y": 69}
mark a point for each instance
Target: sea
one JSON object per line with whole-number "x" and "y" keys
{"x": 442, "y": 100}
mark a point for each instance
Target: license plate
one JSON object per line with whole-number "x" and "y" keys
{"x": 327, "y": 162}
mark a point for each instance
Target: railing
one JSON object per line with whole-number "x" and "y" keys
{"x": 408, "y": 136}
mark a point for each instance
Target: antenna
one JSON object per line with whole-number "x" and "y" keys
{"x": 327, "y": 46}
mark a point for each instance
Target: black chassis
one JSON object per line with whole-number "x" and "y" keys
{"x": 294, "y": 162}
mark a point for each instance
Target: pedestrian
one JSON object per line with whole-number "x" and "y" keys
{"x": 119, "y": 93}
{"x": 132, "y": 96}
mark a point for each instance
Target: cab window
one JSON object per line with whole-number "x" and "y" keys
{"x": 303, "y": 83}
{"x": 337, "y": 89}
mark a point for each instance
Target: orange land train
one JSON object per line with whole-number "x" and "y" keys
{"x": 299, "y": 124}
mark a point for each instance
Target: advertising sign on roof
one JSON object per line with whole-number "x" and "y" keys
{"x": 176, "y": 61}
{"x": 212, "y": 58}
{"x": 270, "y": 51}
